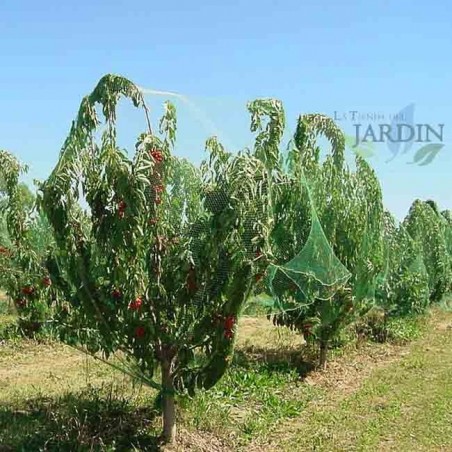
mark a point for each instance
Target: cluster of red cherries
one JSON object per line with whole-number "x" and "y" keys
{"x": 157, "y": 155}
{"x": 134, "y": 305}
{"x": 158, "y": 191}
{"x": 228, "y": 325}
{"x": 29, "y": 291}
{"x": 122, "y": 209}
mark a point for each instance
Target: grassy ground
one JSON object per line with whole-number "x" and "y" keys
{"x": 372, "y": 397}
{"x": 402, "y": 401}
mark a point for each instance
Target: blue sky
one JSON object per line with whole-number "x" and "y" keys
{"x": 316, "y": 56}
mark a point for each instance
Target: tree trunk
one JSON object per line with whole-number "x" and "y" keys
{"x": 385, "y": 326}
{"x": 323, "y": 353}
{"x": 169, "y": 410}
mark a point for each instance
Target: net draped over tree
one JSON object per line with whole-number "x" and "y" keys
{"x": 160, "y": 262}
{"x": 334, "y": 216}
{"x": 425, "y": 225}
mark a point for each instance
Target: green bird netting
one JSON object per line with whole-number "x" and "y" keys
{"x": 314, "y": 273}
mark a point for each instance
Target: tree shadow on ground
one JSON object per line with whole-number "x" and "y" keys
{"x": 281, "y": 359}
{"x": 87, "y": 421}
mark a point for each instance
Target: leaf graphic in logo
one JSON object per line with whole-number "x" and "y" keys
{"x": 404, "y": 116}
{"x": 349, "y": 140}
{"x": 427, "y": 153}
{"x": 408, "y": 119}
{"x": 363, "y": 149}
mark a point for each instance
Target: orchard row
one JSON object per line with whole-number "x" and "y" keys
{"x": 155, "y": 258}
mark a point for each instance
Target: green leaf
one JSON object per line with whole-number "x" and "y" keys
{"x": 429, "y": 152}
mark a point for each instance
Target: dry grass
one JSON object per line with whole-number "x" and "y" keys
{"x": 30, "y": 369}
{"x": 259, "y": 332}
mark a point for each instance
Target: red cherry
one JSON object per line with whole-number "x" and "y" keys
{"x": 136, "y": 304}
{"x": 28, "y": 290}
{"x": 121, "y": 214}
{"x": 159, "y": 188}
{"x": 140, "y": 331}
{"x": 158, "y": 200}
{"x": 116, "y": 294}
{"x": 229, "y": 322}
{"x": 47, "y": 281}
{"x": 153, "y": 221}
